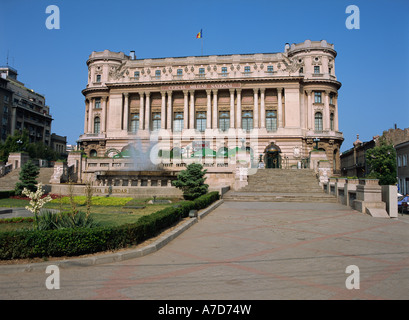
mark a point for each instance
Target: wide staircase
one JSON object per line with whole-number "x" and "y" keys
{"x": 9, "y": 181}
{"x": 283, "y": 185}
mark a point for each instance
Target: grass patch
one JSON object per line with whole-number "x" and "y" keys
{"x": 106, "y": 211}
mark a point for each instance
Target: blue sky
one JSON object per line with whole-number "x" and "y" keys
{"x": 372, "y": 62}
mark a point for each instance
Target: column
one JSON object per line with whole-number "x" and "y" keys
{"x": 103, "y": 114}
{"x": 90, "y": 107}
{"x": 255, "y": 109}
{"x": 326, "y": 111}
{"x": 238, "y": 122}
{"x": 336, "y": 112}
{"x": 310, "y": 122}
{"x": 185, "y": 110}
{"x": 209, "y": 109}
{"x": 214, "y": 114}
{"x": 163, "y": 111}
{"x": 126, "y": 112}
{"x": 169, "y": 113}
{"x": 141, "y": 110}
{"x": 232, "y": 108}
{"x": 262, "y": 108}
{"x": 192, "y": 110}
{"x": 148, "y": 112}
{"x": 87, "y": 104}
{"x": 280, "y": 107}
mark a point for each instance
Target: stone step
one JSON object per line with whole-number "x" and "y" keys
{"x": 279, "y": 197}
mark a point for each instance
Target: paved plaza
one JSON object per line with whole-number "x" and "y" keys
{"x": 248, "y": 250}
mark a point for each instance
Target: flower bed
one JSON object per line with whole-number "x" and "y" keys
{"x": 74, "y": 242}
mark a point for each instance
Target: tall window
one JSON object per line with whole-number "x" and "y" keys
{"x": 136, "y": 74}
{"x": 177, "y": 121}
{"x": 179, "y": 73}
{"x": 271, "y": 120}
{"x": 157, "y": 74}
{"x": 97, "y": 124}
{"x": 224, "y": 120}
{"x": 201, "y": 72}
{"x": 98, "y": 78}
{"x": 97, "y": 103}
{"x": 318, "y": 121}
{"x": 224, "y": 71}
{"x": 201, "y": 121}
{"x": 331, "y": 121}
{"x": 317, "y": 97}
{"x": 134, "y": 122}
{"x": 247, "y": 120}
{"x": 316, "y": 69}
{"x": 155, "y": 121}
{"x": 331, "y": 98}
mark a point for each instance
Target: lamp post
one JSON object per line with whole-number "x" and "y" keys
{"x": 19, "y": 143}
{"x": 316, "y": 140}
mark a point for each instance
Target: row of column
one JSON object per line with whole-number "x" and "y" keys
{"x": 212, "y": 109}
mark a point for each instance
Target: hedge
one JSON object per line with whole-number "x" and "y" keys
{"x": 6, "y": 194}
{"x": 75, "y": 242}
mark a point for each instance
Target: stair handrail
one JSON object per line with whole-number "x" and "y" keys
{"x": 5, "y": 169}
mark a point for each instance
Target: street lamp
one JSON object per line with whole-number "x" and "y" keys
{"x": 316, "y": 140}
{"x": 19, "y": 143}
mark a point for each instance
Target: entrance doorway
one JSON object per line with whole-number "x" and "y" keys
{"x": 272, "y": 158}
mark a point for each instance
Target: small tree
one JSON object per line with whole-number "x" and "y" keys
{"x": 382, "y": 163}
{"x": 37, "y": 201}
{"x": 28, "y": 176}
{"x": 191, "y": 181}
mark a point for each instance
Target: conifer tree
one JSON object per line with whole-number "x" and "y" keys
{"x": 28, "y": 176}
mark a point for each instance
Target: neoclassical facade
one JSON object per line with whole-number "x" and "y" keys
{"x": 280, "y": 106}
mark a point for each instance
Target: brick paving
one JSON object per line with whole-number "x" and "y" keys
{"x": 248, "y": 250}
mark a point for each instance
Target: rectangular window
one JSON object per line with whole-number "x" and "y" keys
{"x": 316, "y": 69}
{"x": 317, "y": 97}
{"x": 98, "y": 78}
{"x": 399, "y": 161}
{"x": 136, "y": 75}
{"x": 201, "y": 121}
{"x": 247, "y": 120}
{"x": 271, "y": 120}
{"x": 405, "y": 160}
{"x": 201, "y": 72}
{"x": 156, "y": 121}
{"x": 224, "y": 120}
{"x": 224, "y": 71}
{"x": 157, "y": 74}
{"x": 270, "y": 69}
{"x": 178, "y": 121}
{"x": 134, "y": 125}
{"x": 331, "y": 98}
{"x": 247, "y": 69}
{"x": 97, "y": 103}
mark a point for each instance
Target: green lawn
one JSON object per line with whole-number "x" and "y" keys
{"x": 108, "y": 212}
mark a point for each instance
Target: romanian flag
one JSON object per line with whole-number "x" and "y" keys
{"x": 199, "y": 35}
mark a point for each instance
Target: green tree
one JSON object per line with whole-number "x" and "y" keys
{"x": 382, "y": 163}
{"x": 19, "y": 141}
{"x": 27, "y": 176}
{"x": 191, "y": 181}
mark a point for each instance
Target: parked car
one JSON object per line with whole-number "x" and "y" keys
{"x": 403, "y": 203}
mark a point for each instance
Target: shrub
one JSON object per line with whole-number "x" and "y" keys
{"x": 78, "y": 241}
{"x": 191, "y": 181}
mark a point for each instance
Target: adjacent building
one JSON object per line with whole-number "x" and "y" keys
{"x": 402, "y": 155}
{"x": 25, "y": 109}
{"x": 278, "y": 106}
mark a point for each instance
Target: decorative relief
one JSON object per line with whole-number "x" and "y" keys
{"x": 316, "y": 61}
{"x": 117, "y": 72}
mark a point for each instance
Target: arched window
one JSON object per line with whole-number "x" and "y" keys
{"x": 318, "y": 121}
{"x": 97, "y": 123}
{"x": 93, "y": 153}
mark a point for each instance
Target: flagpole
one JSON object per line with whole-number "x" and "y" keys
{"x": 202, "y": 46}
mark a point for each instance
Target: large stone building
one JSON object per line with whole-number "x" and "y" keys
{"x": 23, "y": 108}
{"x": 278, "y": 106}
